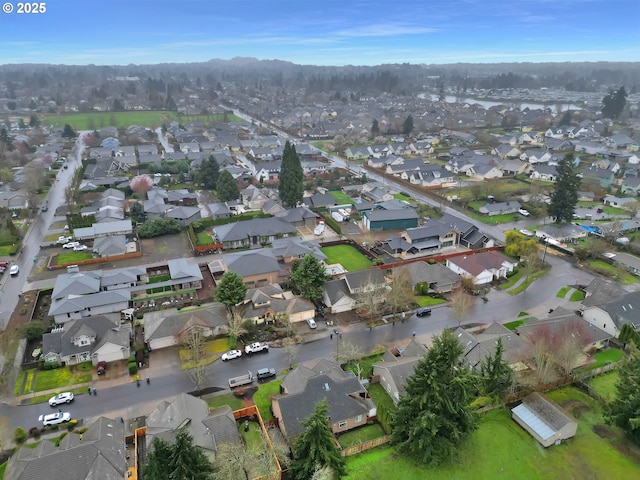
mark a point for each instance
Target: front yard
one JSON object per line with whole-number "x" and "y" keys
{"x": 35, "y": 380}
{"x": 500, "y": 449}
{"x": 347, "y": 256}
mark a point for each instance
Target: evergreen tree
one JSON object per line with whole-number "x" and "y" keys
{"x": 227, "y": 187}
{"x": 496, "y": 374}
{"x": 68, "y": 132}
{"x": 33, "y": 121}
{"x": 6, "y": 139}
{"x": 614, "y": 102}
{"x": 315, "y": 449}
{"x": 291, "y": 177}
{"x": 565, "y": 194}
{"x": 209, "y": 173}
{"x": 624, "y": 411}
{"x": 375, "y": 128}
{"x": 310, "y": 277}
{"x": 407, "y": 126}
{"x": 137, "y": 213}
{"x": 433, "y": 418}
{"x": 628, "y": 334}
{"x": 231, "y": 290}
{"x": 182, "y": 460}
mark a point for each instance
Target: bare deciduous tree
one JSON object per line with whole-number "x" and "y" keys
{"x": 233, "y": 462}
{"x": 235, "y": 327}
{"x": 569, "y": 340}
{"x": 461, "y": 303}
{"x": 401, "y": 294}
{"x": 348, "y": 352}
{"x": 193, "y": 341}
{"x": 542, "y": 344}
{"x": 290, "y": 350}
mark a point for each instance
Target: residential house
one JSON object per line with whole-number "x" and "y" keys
{"x": 96, "y": 453}
{"x": 396, "y": 366}
{"x": 257, "y": 267}
{"x": 513, "y": 168}
{"x": 433, "y": 176}
{"x": 299, "y": 217}
{"x": 618, "y": 202}
{"x": 481, "y": 345}
{"x": 270, "y": 302}
{"x": 254, "y": 198}
{"x": 268, "y": 171}
{"x": 436, "y": 276}
{"x": 622, "y": 141}
{"x": 347, "y": 400}
{"x": 376, "y": 195}
{"x": 545, "y": 173}
{"x": 96, "y": 338}
{"x": 602, "y": 176}
{"x": 589, "y": 147}
{"x": 500, "y": 208}
{"x": 357, "y": 153}
{"x": 110, "y": 246}
{"x": 319, "y": 200}
{"x": 76, "y": 306}
{"x": 507, "y": 151}
{"x": 123, "y": 227}
{"x": 354, "y": 289}
{"x": 166, "y": 328}
{"x": 291, "y": 248}
{"x": 251, "y": 233}
{"x": 544, "y": 420}
{"x": 483, "y": 267}
{"x": 209, "y": 428}
{"x": 610, "y": 308}
{"x": 534, "y": 156}
{"x": 184, "y": 215}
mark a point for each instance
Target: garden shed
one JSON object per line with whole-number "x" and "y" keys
{"x": 545, "y": 420}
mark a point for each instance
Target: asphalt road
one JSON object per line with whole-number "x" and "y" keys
{"x": 10, "y": 287}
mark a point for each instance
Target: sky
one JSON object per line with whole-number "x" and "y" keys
{"x": 321, "y": 32}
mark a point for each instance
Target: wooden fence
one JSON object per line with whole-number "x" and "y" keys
{"x": 91, "y": 261}
{"x": 368, "y": 445}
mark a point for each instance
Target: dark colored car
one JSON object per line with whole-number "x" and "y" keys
{"x": 265, "y": 373}
{"x": 423, "y": 312}
{"x": 102, "y": 367}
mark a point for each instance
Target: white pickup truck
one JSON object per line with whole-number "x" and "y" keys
{"x": 256, "y": 347}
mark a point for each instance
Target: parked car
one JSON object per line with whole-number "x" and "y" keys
{"x": 14, "y": 270}
{"x": 64, "y": 397}
{"x": 231, "y": 354}
{"x": 265, "y": 373}
{"x": 63, "y": 239}
{"x": 256, "y": 347}
{"x": 523, "y": 212}
{"x": 80, "y": 248}
{"x": 102, "y": 367}
{"x": 45, "y": 208}
{"x": 527, "y": 233}
{"x": 312, "y": 323}
{"x": 3, "y": 267}
{"x": 54, "y": 418}
{"x": 71, "y": 245}
{"x": 423, "y": 312}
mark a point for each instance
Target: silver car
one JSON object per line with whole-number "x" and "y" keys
{"x": 64, "y": 397}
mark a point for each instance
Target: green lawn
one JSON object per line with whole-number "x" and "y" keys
{"x": 604, "y": 357}
{"x": 618, "y": 274}
{"x": 341, "y": 198}
{"x": 72, "y": 257}
{"x": 605, "y": 384}
{"x": 500, "y": 449}
{"x": 366, "y": 364}
{"x": 96, "y": 120}
{"x": 427, "y": 301}
{"x": 39, "y": 380}
{"x": 512, "y": 280}
{"x": 513, "y": 325}
{"x": 380, "y": 396}
{"x": 262, "y": 398}
{"x": 347, "y": 256}
{"x": 227, "y": 399}
{"x": 204, "y": 238}
{"x": 489, "y": 220}
{"x": 563, "y": 291}
{"x": 401, "y": 196}
{"x": 577, "y": 296}
{"x": 159, "y": 278}
{"x": 524, "y": 285}
{"x": 360, "y": 435}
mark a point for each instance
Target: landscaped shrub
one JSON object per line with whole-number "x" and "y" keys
{"x": 333, "y": 224}
{"x": 132, "y": 358}
{"x": 51, "y": 365}
{"x": 481, "y": 402}
{"x": 384, "y": 418}
{"x": 133, "y": 368}
{"x": 34, "y": 432}
{"x": 23, "y": 311}
{"x": 19, "y": 435}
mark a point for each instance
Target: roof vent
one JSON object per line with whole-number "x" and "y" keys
{"x": 326, "y": 387}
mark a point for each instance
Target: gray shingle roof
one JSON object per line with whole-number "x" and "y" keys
{"x": 260, "y": 227}
{"x": 252, "y": 262}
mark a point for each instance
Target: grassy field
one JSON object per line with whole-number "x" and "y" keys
{"x": 427, "y": 301}
{"x": 380, "y": 396}
{"x": 97, "y": 120}
{"x": 605, "y": 384}
{"x": 72, "y": 257}
{"x": 500, "y": 449}
{"x": 618, "y": 274}
{"x": 360, "y": 435}
{"x": 262, "y": 398}
{"x": 341, "y": 198}
{"x": 347, "y": 256}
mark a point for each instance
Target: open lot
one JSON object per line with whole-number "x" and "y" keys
{"x": 500, "y": 449}
{"x": 347, "y": 256}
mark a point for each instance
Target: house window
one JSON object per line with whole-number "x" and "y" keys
{"x": 342, "y": 424}
{"x": 358, "y": 418}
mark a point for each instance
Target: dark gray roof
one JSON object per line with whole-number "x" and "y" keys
{"x": 79, "y": 303}
{"x": 167, "y": 323}
{"x": 252, "y": 262}
{"x": 364, "y": 277}
{"x": 336, "y": 289}
{"x": 180, "y": 269}
{"x": 294, "y": 215}
{"x": 342, "y": 396}
{"x": 99, "y": 455}
{"x": 548, "y": 410}
{"x": 261, "y": 227}
{"x": 379, "y": 215}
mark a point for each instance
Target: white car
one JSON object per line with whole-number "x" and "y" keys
{"x": 523, "y": 212}
{"x": 71, "y": 245}
{"x": 231, "y": 354}
{"x": 527, "y": 233}
{"x": 64, "y": 397}
{"x": 55, "y": 418}
{"x": 312, "y": 323}
{"x": 14, "y": 270}
{"x": 79, "y": 248}
{"x": 62, "y": 239}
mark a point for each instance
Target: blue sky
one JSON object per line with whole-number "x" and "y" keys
{"x": 323, "y": 32}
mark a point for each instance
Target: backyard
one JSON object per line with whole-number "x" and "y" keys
{"x": 603, "y": 358}
{"x": 71, "y": 257}
{"x": 347, "y": 256}
{"x": 502, "y": 449}
{"x": 605, "y": 384}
